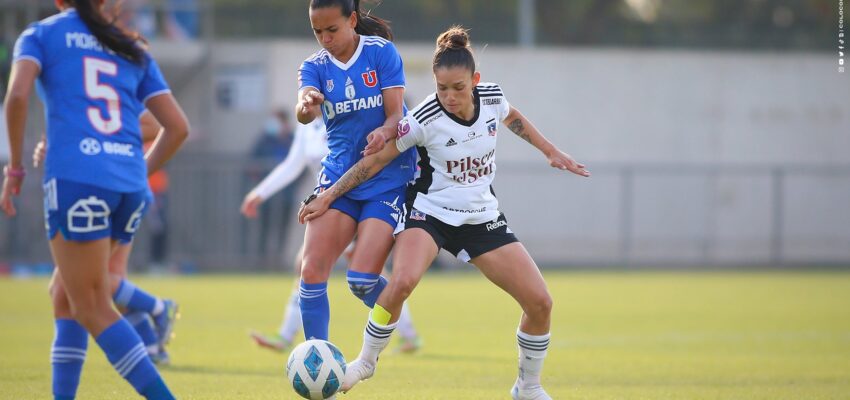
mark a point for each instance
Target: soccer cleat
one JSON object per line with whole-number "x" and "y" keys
{"x": 165, "y": 321}
{"x": 356, "y": 371}
{"x": 161, "y": 358}
{"x": 527, "y": 393}
{"x": 408, "y": 345}
{"x": 272, "y": 342}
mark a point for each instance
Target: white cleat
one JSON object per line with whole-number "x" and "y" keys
{"x": 528, "y": 393}
{"x": 356, "y": 371}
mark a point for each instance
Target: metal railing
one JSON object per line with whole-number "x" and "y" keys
{"x": 626, "y": 215}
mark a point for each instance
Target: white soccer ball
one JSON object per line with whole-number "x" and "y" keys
{"x": 315, "y": 369}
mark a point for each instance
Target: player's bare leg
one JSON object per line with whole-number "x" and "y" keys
{"x": 511, "y": 268}
{"x": 414, "y": 252}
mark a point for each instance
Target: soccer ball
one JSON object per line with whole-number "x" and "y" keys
{"x": 315, "y": 369}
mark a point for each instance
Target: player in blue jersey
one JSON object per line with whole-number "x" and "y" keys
{"x": 94, "y": 79}
{"x": 152, "y": 317}
{"x": 356, "y": 84}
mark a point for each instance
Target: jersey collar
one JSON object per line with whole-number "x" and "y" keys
{"x": 476, "y": 99}
{"x": 353, "y": 59}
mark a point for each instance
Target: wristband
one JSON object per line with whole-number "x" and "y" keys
{"x": 14, "y": 172}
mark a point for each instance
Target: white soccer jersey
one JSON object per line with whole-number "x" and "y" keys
{"x": 457, "y": 158}
{"x": 309, "y": 146}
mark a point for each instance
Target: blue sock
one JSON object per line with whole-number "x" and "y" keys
{"x": 315, "y": 310}
{"x": 366, "y": 286}
{"x": 67, "y": 357}
{"x": 126, "y": 352}
{"x": 144, "y": 327}
{"x": 131, "y": 297}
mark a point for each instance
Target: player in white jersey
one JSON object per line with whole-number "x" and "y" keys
{"x": 308, "y": 148}
{"x": 452, "y": 206}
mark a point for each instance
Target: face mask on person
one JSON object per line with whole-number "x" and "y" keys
{"x": 272, "y": 126}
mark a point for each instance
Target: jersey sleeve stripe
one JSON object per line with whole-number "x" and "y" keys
{"x": 376, "y": 38}
{"x": 425, "y": 118}
{"x": 154, "y": 94}
{"x": 428, "y": 114}
{"x": 426, "y": 108}
{"x": 490, "y": 95}
{"x": 28, "y": 58}
{"x": 390, "y": 87}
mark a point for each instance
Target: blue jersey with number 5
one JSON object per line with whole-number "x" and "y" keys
{"x": 92, "y": 98}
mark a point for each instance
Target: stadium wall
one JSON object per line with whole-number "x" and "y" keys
{"x": 699, "y": 158}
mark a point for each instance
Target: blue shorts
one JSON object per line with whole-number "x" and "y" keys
{"x": 84, "y": 212}
{"x": 386, "y": 206}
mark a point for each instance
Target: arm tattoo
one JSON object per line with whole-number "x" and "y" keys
{"x": 518, "y": 128}
{"x": 350, "y": 180}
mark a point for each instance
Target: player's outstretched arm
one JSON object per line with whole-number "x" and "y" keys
{"x": 522, "y": 127}
{"x": 280, "y": 177}
{"x": 366, "y": 168}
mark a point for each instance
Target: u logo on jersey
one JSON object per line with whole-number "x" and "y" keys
{"x": 370, "y": 78}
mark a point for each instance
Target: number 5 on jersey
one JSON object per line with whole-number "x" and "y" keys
{"x": 92, "y": 68}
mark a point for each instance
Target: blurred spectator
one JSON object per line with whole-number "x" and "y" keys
{"x": 271, "y": 148}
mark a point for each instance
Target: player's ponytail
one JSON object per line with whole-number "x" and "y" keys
{"x": 453, "y": 49}
{"x": 367, "y": 24}
{"x": 122, "y": 42}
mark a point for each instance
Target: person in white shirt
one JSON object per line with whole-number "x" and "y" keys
{"x": 309, "y": 146}
{"x": 452, "y": 206}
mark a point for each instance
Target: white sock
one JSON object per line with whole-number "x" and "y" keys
{"x": 376, "y": 337}
{"x": 158, "y": 307}
{"x": 405, "y": 323}
{"x": 291, "y": 318}
{"x": 532, "y": 352}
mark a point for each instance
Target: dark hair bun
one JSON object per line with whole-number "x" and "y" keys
{"x": 455, "y": 38}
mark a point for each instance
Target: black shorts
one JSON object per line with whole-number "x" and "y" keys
{"x": 466, "y": 241}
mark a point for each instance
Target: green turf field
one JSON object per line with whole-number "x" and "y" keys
{"x": 647, "y": 335}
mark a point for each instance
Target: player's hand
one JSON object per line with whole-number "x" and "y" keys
{"x": 312, "y": 98}
{"x": 251, "y": 204}
{"x": 563, "y": 161}
{"x": 11, "y": 187}
{"x": 376, "y": 140}
{"x": 313, "y": 207}
{"x": 40, "y": 153}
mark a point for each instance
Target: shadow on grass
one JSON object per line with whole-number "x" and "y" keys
{"x": 201, "y": 370}
{"x": 459, "y": 358}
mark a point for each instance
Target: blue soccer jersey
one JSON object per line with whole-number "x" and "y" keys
{"x": 354, "y": 107}
{"x": 93, "y": 99}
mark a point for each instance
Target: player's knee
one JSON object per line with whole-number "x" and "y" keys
{"x": 93, "y": 313}
{"x": 540, "y": 307}
{"x": 366, "y": 286}
{"x": 546, "y": 305}
{"x": 315, "y": 269}
{"x": 61, "y": 306}
{"x": 403, "y": 286}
